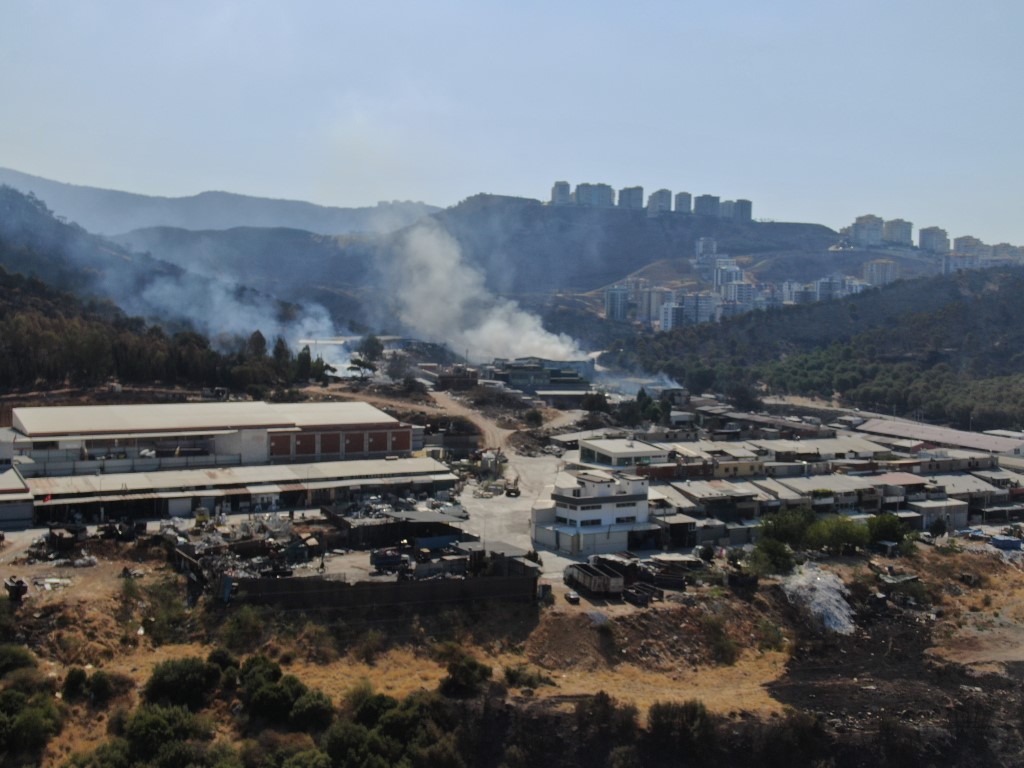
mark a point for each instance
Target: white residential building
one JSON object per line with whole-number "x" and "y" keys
{"x": 592, "y": 511}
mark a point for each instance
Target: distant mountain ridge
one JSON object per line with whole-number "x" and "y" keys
{"x": 111, "y": 212}
{"x": 34, "y": 243}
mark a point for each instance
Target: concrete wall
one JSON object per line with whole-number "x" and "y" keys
{"x": 311, "y": 593}
{"x": 16, "y": 514}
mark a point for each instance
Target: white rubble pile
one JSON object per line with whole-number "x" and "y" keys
{"x": 823, "y": 595}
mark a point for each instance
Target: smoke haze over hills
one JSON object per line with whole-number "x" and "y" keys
{"x": 111, "y": 212}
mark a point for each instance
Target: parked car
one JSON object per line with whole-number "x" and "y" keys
{"x": 572, "y": 597}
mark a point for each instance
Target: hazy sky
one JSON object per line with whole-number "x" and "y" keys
{"x": 817, "y": 111}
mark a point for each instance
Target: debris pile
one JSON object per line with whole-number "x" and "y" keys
{"x": 823, "y": 595}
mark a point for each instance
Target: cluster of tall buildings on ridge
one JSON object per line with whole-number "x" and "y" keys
{"x": 870, "y": 231}
{"x": 658, "y": 202}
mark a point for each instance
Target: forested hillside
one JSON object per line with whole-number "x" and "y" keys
{"x": 948, "y": 349}
{"x": 51, "y": 338}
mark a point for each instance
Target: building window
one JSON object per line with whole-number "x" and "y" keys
{"x": 590, "y": 506}
{"x": 589, "y": 522}
{"x": 629, "y": 519}
{"x": 626, "y": 504}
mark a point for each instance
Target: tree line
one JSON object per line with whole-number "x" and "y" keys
{"x": 51, "y": 338}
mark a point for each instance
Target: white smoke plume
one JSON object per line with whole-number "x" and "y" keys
{"x": 442, "y": 298}
{"x": 220, "y": 310}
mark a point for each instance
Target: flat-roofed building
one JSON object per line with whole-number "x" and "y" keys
{"x": 631, "y": 198}
{"x": 706, "y": 205}
{"x": 621, "y": 453}
{"x": 659, "y": 201}
{"x": 245, "y": 488}
{"x": 837, "y": 493}
{"x": 867, "y": 231}
{"x": 933, "y": 240}
{"x": 126, "y": 438}
{"x": 727, "y": 500}
{"x": 898, "y": 232}
{"x": 94, "y": 462}
{"x": 944, "y": 437}
{"x": 593, "y": 511}
{"x": 561, "y": 193}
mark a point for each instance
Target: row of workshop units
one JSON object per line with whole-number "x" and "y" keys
{"x": 585, "y": 513}
{"x": 668, "y": 459}
{"x": 178, "y": 493}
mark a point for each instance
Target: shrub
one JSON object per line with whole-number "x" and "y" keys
{"x": 345, "y": 743}
{"x": 256, "y": 672}
{"x": 724, "y": 649}
{"x": 370, "y": 646}
{"x": 464, "y": 677}
{"x": 12, "y": 702}
{"x": 151, "y": 726}
{"x": 357, "y": 694}
{"x": 167, "y": 611}
{"x": 30, "y": 680}
{"x": 310, "y": 758}
{"x": 797, "y": 739}
{"x": 788, "y": 526}
{"x": 244, "y": 629}
{"x": 602, "y": 723}
{"x": 271, "y": 701}
{"x": 104, "y": 686}
{"x": 771, "y": 556}
{"x": 317, "y": 643}
{"x": 74, "y": 683}
{"x": 114, "y": 753}
{"x": 521, "y": 676}
{"x": 369, "y": 712}
{"x": 32, "y": 728}
{"x": 14, "y": 657}
{"x": 188, "y": 682}
{"x": 885, "y": 527}
{"x": 770, "y": 637}
{"x": 223, "y": 658}
{"x": 836, "y": 534}
{"x": 312, "y": 711}
{"x": 685, "y": 728}
{"x": 624, "y": 757}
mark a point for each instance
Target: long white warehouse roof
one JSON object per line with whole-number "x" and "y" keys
{"x": 100, "y": 420}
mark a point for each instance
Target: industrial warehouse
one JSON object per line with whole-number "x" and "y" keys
{"x": 92, "y": 462}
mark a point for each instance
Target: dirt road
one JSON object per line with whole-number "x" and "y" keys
{"x": 493, "y": 435}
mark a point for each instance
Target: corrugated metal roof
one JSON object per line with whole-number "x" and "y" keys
{"x": 941, "y": 435}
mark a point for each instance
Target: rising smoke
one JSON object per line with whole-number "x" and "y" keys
{"x": 221, "y": 310}
{"x": 440, "y": 297}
